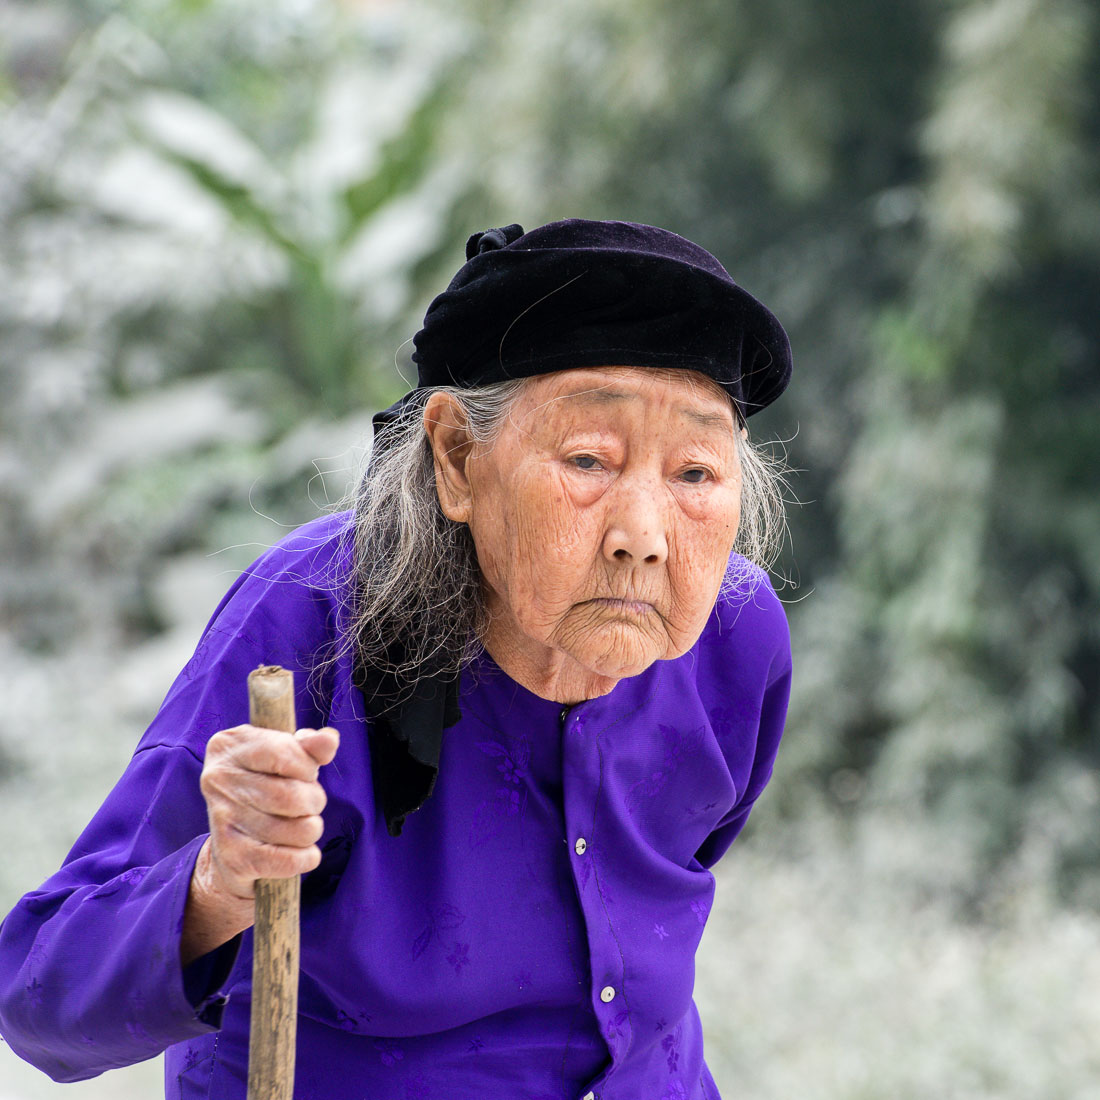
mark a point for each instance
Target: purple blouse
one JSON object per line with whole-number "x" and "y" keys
{"x": 532, "y": 932}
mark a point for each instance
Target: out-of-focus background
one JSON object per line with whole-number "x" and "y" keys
{"x": 220, "y": 223}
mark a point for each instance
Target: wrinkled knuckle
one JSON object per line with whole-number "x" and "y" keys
{"x": 224, "y": 817}
{"x": 219, "y": 817}
{"x": 290, "y": 862}
{"x": 238, "y": 865}
{"x": 268, "y": 797}
{"x": 260, "y": 759}
{"x": 256, "y": 860}
{"x": 213, "y": 772}
{"x": 218, "y": 744}
{"x": 288, "y": 800}
{"x": 309, "y": 831}
{"x": 246, "y": 863}
{"x": 272, "y": 862}
{"x": 233, "y": 847}
{"x": 268, "y": 750}
{"x": 289, "y": 763}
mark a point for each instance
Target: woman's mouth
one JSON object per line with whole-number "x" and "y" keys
{"x": 630, "y": 607}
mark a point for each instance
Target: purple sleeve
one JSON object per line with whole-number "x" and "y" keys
{"x": 90, "y": 973}
{"x": 761, "y": 656}
{"x": 773, "y": 714}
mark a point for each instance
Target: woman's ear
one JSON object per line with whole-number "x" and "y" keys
{"x": 445, "y": 425}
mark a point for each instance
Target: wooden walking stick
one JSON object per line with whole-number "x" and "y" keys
{"x": 271, "y": 1041}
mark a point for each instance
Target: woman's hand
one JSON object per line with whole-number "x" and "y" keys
{"x": 264, "y": 804}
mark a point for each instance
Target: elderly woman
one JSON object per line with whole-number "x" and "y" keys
{"x": 558, "y": 689}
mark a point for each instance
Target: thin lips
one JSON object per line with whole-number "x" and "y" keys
{"x": 638, "y": 606}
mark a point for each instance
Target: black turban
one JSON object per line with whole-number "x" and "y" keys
{"x": 590, "y": 294}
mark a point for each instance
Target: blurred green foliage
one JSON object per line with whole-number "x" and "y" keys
{"x": 220, "y": 221}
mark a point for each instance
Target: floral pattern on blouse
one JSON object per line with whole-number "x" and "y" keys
{"x": 535, "y": 923}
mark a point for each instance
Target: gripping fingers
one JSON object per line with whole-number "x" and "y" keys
{"x": 273, "y": 861}
{"x": 242, "y": 857}
{"x": 282, "y": 832}
{"x": 279, "y": 797}
{"x": 264, "y": 802}
{"x": 266, "y": 752}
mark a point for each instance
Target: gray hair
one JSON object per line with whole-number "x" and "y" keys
{"x": 418, "y": 600}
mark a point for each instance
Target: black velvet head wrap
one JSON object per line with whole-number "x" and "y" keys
{"x": 573, "y": 293}
{"x": 580, "y": 293}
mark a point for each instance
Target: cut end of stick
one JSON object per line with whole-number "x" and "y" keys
{"x": 271, "y": 698}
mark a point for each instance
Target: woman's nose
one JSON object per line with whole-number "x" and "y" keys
{"x": 635, "y": 532}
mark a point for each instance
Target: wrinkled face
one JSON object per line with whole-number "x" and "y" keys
{"x": 604, "y": 516}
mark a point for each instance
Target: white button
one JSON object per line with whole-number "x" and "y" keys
{"x": 589, "y": 1096}
{"x": 580, "y": 846}
{"x": 607, "y": 994}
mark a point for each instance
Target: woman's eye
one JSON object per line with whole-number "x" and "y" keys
{"x": 585, "y": 462}
{"x": 694, "y": 476}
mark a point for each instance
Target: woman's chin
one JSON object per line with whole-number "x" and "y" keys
{"x": 620, "y": 661}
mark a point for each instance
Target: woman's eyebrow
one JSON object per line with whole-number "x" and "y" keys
{"x": 602, "y": 396}
{"x": 707, "y": 420}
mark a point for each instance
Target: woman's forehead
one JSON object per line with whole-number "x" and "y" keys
{"x": 587, "y": 390}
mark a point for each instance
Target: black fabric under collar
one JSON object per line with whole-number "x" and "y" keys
{"x": 406, "y": 738}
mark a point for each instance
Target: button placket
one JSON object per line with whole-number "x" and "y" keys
{"x": 571, "y": 727}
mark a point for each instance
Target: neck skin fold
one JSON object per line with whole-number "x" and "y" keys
{"x": 545, "y": 672}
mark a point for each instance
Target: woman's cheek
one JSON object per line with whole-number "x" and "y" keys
{"x": 700, "y": 556}
{"x": 559, "y": 511}
{"x": 531, "y": 556}
{"x": 719, "y": 502}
